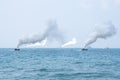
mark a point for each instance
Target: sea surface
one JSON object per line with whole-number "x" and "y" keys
{"x": 59, "y": 64}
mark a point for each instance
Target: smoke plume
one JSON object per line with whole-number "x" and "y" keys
{"x": 38, "y": 44}
{"x": 52, "y": 32}
{"x": 101, "y": 31}
{"x": 72, "y": 42}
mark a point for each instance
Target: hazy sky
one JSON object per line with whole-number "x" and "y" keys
{"x": 76, "y": 18}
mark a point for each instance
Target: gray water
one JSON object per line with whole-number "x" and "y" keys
{"x": 59, "y": 64}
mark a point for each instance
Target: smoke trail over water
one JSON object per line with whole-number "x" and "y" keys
{"x": 69, "y": 43}
{"x": 38, "y": 44}
{"x": 52, "y": 32}
{"x": 102, "y": 31}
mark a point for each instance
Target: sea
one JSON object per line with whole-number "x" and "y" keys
{"x": 59, "y": 64}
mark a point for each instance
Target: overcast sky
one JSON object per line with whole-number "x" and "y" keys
{"x": 76, "y": 18}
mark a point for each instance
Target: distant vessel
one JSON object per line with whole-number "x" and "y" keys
{"x": 17, "y": 49}
{"x": 84, "y": 49}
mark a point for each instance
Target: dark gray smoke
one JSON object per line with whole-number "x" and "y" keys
{"x": 102, "y": 31}
{"x": 52, "y": 32}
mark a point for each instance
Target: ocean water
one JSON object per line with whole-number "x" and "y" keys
{"x": 59, "y": 64}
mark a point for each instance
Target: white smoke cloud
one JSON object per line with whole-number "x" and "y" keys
{"x": 101, "y": 31}
{"x": 51, "y": 33}
{"x": 69, "y": 43}
{"x": 38, "y": 44}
